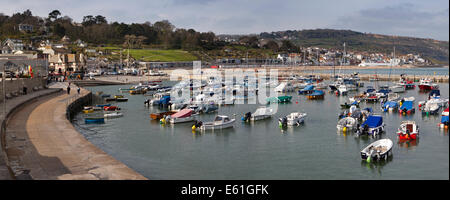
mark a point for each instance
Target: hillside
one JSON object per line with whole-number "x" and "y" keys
{"x": 434, "y": 50}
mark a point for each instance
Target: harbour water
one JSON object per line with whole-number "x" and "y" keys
{"x": 261, "y": 150}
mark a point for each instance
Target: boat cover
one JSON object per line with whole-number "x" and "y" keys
{"x": 308, "y": 87}
{"x": 368, "y": 110}
{"x": 444, "y": 119}
{"x": 373, "y": 121}
{"x": 390, "y": 104}
{"x": 408, "y": 105}
{"x": 182, "y": 113}
{"x": 317, "y": 93}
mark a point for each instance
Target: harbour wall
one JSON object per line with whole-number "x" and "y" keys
{"x": 14, "y": 87}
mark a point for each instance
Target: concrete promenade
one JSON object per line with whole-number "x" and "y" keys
{"x": 41, "y": 143}
{"x": 12, "y": 104}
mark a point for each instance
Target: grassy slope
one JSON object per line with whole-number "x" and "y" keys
{"x": 154, "y": 55}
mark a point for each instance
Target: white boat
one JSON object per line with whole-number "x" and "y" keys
{"x": 342, "y": 89}
{"x": 409, "y": 99}
{"x": 348, "y": 122}
{"x": 430, "y": 108}
{"x": 262, "y": 112}
{"x": 393, "y": 97}
{"x": 378, "y": 150}
{"x": 113, "y": 115}
{"x": 185, "y": 115}
{"x": 295, "y": 118}
{"x": 220, "y": 122}
{"x": 397, "y": 89}
{"x": 284, "y": 87}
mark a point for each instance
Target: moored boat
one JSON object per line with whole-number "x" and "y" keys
{"x": 261, "y": 113}
{"x": 220, "y": 122}
{"x": 295, "y": 118}
{"x": 406, "y": 107}
{"x": 347, "y": 123}
{"x": 113, "y": 115}
{"x": 378, "y": 150}
{"x": 444, "y": 119}
{"x": 373, "y": 126}
{"x": 408, "y": 130}
{"x": 158, "y": 116}
{"x": 317, "y": 94}
{"x": 94, "y": 120}
{"x": 185, "y": 115}
{"x": 427, "y": 84}
{"x": 280, "y": 99}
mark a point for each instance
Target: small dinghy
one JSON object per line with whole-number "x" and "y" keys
{"x": 105, "y": 95}
{"x": 110, "y": 99}
{"x": 113, "y": 115}
{"x": 121, "y": 99}
{"x": 408, "y": 130}
{"x": 158, "y": 116}
{"x": 111, "y": 108}
{"x": 378, "y": 150}
{"x": 90, "y": 110}
{"x": 94, "y": 120}
{"x": 347, "y": 123}
{"x": 102, "y": 105}
{"x": 220, "y": 122}
{"x": 295, "y": 118}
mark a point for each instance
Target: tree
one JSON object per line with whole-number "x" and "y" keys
{"x": 88, "y": 20}
{"x": 54, "y": 14}
{"x": 272, "y": 45}
{"x": 287, "y": 46}
{"x": 100, "y": 20}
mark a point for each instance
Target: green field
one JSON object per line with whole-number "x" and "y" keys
{"x": 156, "y": 55}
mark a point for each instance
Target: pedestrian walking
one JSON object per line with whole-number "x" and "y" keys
{"x": 78, "y": 90}
{"x": 68, "y": 89}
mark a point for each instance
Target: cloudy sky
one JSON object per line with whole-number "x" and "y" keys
{"x": 417, "y": 18}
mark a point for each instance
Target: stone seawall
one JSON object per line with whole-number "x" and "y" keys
{"x": 14, "y": 87}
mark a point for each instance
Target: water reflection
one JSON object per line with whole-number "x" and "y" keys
{"x": 376, "y": 166}
{"x": 408, "y": 143}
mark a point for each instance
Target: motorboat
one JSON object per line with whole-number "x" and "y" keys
{"x": 113, "y": 115}
{"x": 393, "y": 97}
{"x": 378, "y": 150}
{"x": 372, "y": 97}
{"x": 408, "y": 130}
{"x": 342, "y": 89}
{"x": 389, "y": 106}
{"x": 406, "y": 107}
{"x": 220, "y": 122}
{"x": 397, "y": 89}
{"x": 307, "y": 90}
{"x": 373, "y": 126}
{"x": 279, "y": 99}
{"x": 295, "y": 118}
{"x": 185, "y": 115}
{"x": 427, "y": 84}
{"x": 444, "y": 119}
{"x": 430, "y": 108}
{"x": 261, "y": 113}
{"x": 284, "y": 87}
{"x": 317, "y": 94}
{"x": 347, "y": 123}
{"x": 209, "y": 108}
{"x": 90, "y": 110}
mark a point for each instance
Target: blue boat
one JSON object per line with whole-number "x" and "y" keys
{"x": 307, "y": 90}
{"x": 95, "y": 120}
{"x": 374, "y": 125}
{"x": 407, "y": 107}
{"x": 164, "y": 101}
{"x": 370, "y": 89}
{"x": 102, "y": 105}
{"x": 389, "y": 106}
{"x": 317, "y": 94}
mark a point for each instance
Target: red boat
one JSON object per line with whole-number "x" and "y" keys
{"x": 427, "y": 84}
{"x": 408, "y": 130}
{"x": 111, "y": 108}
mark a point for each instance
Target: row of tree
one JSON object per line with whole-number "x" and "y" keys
{"x": 97, "y": 30}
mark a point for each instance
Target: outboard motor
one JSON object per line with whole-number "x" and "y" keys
{"x": 247, "y": 117}
{"x": 146, "y": 102}
{"x": 283, "y": 122}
